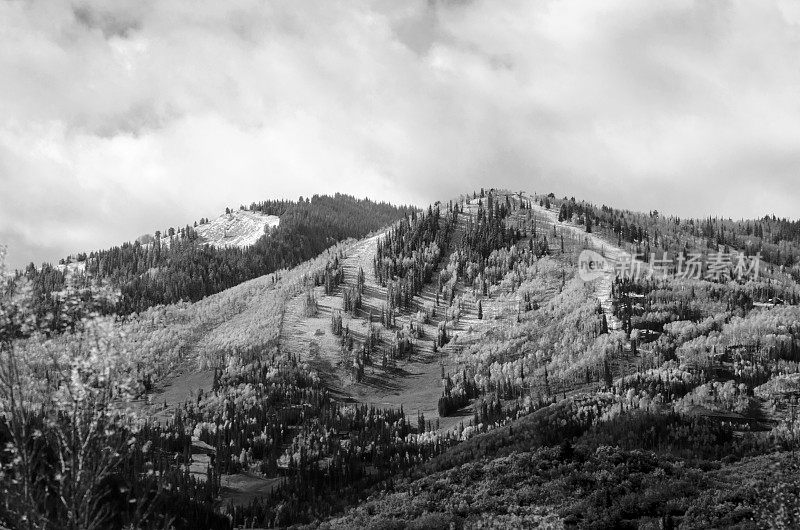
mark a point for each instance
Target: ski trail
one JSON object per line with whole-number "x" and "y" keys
{"x": 612, "y": 252}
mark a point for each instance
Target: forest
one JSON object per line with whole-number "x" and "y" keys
{"x": 622, "y": 402}
{"x": 177, "y": 268}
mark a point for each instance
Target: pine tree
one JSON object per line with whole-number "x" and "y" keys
{"x": 608, "y": 378}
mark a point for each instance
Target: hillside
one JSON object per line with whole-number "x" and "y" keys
{"x": 452, "y": 368}
{"x": 239, "y": 228}
{"x": 192, "y": 262}
{"x": 235, "y": 228}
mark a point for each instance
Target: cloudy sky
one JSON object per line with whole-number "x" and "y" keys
{"x": 118, "y": 118}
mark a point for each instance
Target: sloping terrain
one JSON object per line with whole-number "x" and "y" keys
{"x": 414, "y": 383}
{"x": 454, "y": 370}
{"x": 529, "y": 341}
{"x": 598, "y": 244}
{"x": 235, "y": 228}
{"x": 239, "y": 228}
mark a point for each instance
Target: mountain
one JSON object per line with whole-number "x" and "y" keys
{"x": 236, "y": 228}
{"x": 451, "y": 367}
{"x": 190, "y": 263}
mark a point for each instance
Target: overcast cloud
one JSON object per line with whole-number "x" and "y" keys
{"x": 118, "y": 118}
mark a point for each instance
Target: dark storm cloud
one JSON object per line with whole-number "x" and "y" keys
{"x": 120, "y": 118}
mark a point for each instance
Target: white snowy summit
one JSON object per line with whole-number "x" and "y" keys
{"x": 240, "y": 228}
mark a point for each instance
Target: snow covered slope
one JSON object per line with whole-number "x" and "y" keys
{"x": 239, "y": 228}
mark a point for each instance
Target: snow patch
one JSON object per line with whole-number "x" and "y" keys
{"x": 71, "y": 267}
{"x": 240, "y": 228}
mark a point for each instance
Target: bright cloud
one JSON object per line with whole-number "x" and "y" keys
{"x": 120, "y": 118}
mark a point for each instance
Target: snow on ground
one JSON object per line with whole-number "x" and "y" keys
{"x": 240, "y": 228}
{"x": 413, "y": 383}
{"x": 595, "y": 242}
{"x": 72, "y": 266}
